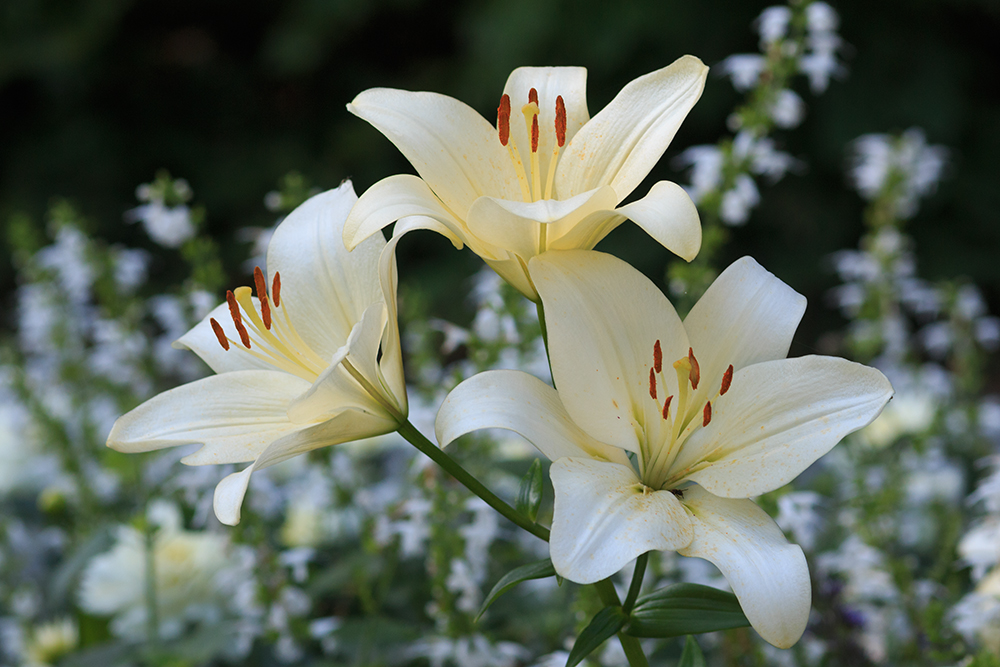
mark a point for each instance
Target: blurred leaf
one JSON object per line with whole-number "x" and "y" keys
{"x": 529, "y": 496}
{"x": 685, "y": 609}
{"x": 692, "y": 655}
{"x": 605, "y": 624}
{"x": 538, "y": 570}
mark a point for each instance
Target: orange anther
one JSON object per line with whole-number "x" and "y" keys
{"x": 265, "y": 312}
{"x": 666, "y": 407}
{"x": 234, "y": 310}
{"x": 534, "y": 133}
{"x": 220, "y": 334}
{"x": 657, "y": 357}
{"x": 706, "y": 414}
{"x": 727, "y": 379}
{"x": 695, "y": 369}
{"x": 265, "y": 309}
{"x": 276, "y": 289}
{"x": 561, "y": 123}
{"x": 652, "y": 384}
{"x": 503, "y": 123}
{"x": 533, "y": 96}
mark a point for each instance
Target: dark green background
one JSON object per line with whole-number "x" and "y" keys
{"x": 96, "y": 96}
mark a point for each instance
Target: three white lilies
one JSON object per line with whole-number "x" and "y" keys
{"x": 660, "y": 430}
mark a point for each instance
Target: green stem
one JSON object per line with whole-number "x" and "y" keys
{"x": 545, "y": 335}
{"x": 417, "y": 439}
{"x": 637, "y": 575}
{"x": 631, "y": 646}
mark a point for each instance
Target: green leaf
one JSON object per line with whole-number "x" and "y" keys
{"x": 529, "y": 496}
{"x": 538, "y": 570}
{"x": 685, "y": 609}
{"x": 692, "y": 655}
{"x": 605, "y": 624}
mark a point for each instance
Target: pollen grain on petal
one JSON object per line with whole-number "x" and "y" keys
{"x": 706, "y": 414}
{"x": 219, "y": 333}
{"x": 503, "y": 119}
{"x": 276, "y": 289}
{"x": 727, "y": 380}
{"x": 695, "y": 369}
{"x": 652, "y": 384}
{"x": 666, "y": 407}
{"x": 657, "y": 357}
{"x": 561, "y": 122}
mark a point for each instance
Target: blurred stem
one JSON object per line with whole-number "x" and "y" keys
{"x": 637, "y": 576}
{"x": 452, "y": 467}
{"x": 545, "y": 335}
{"x": 633, "y": 650}
{"x": 152, "y": 608}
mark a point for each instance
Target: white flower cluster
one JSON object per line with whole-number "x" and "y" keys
{"x": 905, "y": 164}
{"x": 168, "y": 225}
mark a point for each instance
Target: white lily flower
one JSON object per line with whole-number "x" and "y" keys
{"x": 299, "y": 365}
{"x": 653, "y": 453}
{"x": 553, "y": 181}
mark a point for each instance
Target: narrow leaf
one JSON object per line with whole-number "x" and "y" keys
{"x": 692, "y": 655}
{"x": 537, "y": 570}
{"x": 529, "y": 496}
{"x": 605, "y": 624}
{"x": 685, "y": 609}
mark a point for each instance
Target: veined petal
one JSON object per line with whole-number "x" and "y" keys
{"x": 619, "y": 145}
{"x": 550, "y": 83}
{"x": 523, "y": 404}
{"x": 397, "y": 197}
{"x": 514, "y": 225}
{"x": 669, "y": 216}
{"x": 604, "y": 517}
{"x": 747, "y": 316}
{"x": 235, "y": 415}
{"x": 344, "y": 427}
{"x": 391, "y": 364}
{"x": 603, "y": 318}
{"x": 454, "y": 149}
{"x": 201, "y": 340}
{"x": 777, "y": 419}
{"x": 324, "y": 288}
{"x": 768, "y": 574}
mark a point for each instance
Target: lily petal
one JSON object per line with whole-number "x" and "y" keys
{"x": 325, "y": 288}
{"x": 344, "y": 427}
{"x": 397, "y": 197}
{"x": 235, "y": 415}
{"x": 777, "y": 419}
{"x": 669, "y": 216}
{"x": 621, "y": 144}
{"x": 549, "y": 83}
{"x": 514, "y": 225}
{"x": 201, "y": 340}
{"x": 523, "y": 404}
{"x": 747, "y": 316}
{"x": 451, "y": 146}
{"x": 768, "y": 574}
{"x": 604, "y": 517}
{"x": 603, "y": 318}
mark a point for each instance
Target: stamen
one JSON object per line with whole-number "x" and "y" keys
{"x": 265, "y": 308}
{"x": 707, "y": 414}
{"x": 220, "y": 334}
{"x": 727, "y": 379}
{"x": 234, "y": 310}
{"x": 503, "y": 119}
{"x": 695, "y": 369}
{"x": 276, "y": 289}
{"x": 657, "y": 357}
{"x": 561, "y": 123}
{"x": 666, "y": 407}
{"x": 652, "y": 384}
{"x": 533, "y": 96}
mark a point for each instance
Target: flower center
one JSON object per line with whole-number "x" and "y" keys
{"x": 665, "y": 436}
{"x": 269, "y": 334}
{"x": 531, "y": 179}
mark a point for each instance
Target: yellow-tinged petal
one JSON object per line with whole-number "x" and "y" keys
{"x": 603, "y": 318}
{"x": 777, "y": 419}
{"x": 768, "y": 574}
{"x": 669, "y": 216}
{"x": 604, "y": 517}
{"x": 204, "y": 342}
{"x": 619, "y": 145}
{"x": 523, "y": 404}
{"x": 451, "y": 146}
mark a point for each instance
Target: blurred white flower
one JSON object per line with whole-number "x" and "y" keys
{"x": 743, "y": 69}
{"x": 738, "y": 201}
{"x": 772, "y": 24}
{"x": 915, "y": 167}
{"x": 910, "y": 412}
{"x": 787, "y": 110}
{"x": 168, "y": 226}
{"x": 50, "y": 641}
